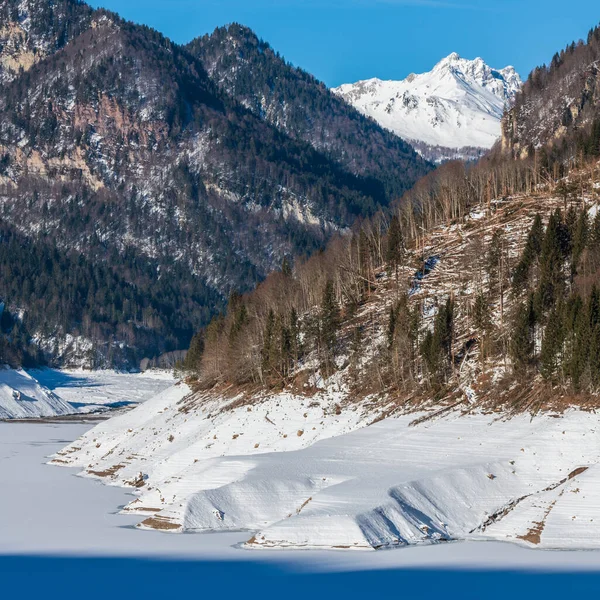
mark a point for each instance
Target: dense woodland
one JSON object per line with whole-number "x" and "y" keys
{"x": 557, "y": 102}
{"x": 118, "y": 300}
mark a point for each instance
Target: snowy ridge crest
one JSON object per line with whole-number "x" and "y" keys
{"x": 458, "y": 104}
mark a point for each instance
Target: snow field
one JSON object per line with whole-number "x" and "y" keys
{"x": 458, "y": 104}
{"x": 22, "y": 396}
{"x": 347, "y": 484}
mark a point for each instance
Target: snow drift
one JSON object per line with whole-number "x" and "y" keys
{"x": 22, "y": 396}
{"x": 303, "y": 473}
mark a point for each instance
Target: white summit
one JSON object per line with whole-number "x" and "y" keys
{"x": 452, "y": 111}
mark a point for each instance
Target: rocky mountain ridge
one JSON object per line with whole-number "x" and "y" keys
{"x": 455, "y": 109}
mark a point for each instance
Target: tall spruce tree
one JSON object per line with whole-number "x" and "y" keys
{"x": 531, "y": 253}
{"x": 436, "y": 348}
{"x": 522, "y": 340}
{"x": 395, "y": 247}
{"x": 329, "y": 325}
{"x": 551, "y": 285}
{"x": 552, "y": 344}
{"x": 580, "y": 240}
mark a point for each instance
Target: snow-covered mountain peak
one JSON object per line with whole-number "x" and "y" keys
{"x": 458, "y": 104}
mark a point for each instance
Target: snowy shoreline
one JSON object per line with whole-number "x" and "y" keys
{"x": 298, "y": 473}
{"x": 77, "y": 519}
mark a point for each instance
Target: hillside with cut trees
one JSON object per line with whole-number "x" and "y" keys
{"x": 481, "y": 275}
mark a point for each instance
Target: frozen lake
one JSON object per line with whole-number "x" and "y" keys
{"x": 91, "y": 391}
{"x": 60, "y": 534}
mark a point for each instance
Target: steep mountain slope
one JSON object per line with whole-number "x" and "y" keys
{"x": 30, "y": 30}
{"x": 455, "y": 108}
{"x": 115, "y": 144}
{"x": 303, "y": 108}
{"x": 556, "y": 102}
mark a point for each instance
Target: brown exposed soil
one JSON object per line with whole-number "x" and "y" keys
{"x": 160, "y": 523}
{"x": 534, "y": 535}
{"x": 110, "y": 472}
{"x": 299, "y": 510}
{"x": 577, "y": 472}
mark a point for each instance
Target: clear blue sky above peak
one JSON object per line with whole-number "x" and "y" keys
{"x": 341, "y": 41}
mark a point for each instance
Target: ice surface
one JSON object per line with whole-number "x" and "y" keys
{"x": 51, "y": 393}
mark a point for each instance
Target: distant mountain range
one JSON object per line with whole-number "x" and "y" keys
{"x": 453, "y": 111}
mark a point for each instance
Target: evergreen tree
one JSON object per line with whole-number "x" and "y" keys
{"x": 296, "y": 344}
{"x": 551, "y": 284}
{"x": 522, "y": 340}
{"x": 436, "y": 347}
{"x": 581, "y": 342}
{"x": 193, "y": 357}
{"x": 268, "y": 348}
{"x": 594, "y": 358}
{"x": 395, "y": 247}
{"x": 580, "y": 239}
{"x": 531, "y": 253}
{"x": 552, "y": 344}
{"x": 483, "y": 322}
{"x": 329, "y": 325}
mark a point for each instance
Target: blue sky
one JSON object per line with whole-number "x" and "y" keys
{"x": 345, "y": 40}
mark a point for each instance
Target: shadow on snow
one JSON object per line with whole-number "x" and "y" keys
{"x": 111, "y": 578}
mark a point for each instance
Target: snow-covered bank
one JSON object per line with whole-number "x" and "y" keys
{"x": 22, "y": 396}
{"x": 72, "y": 517}
{"x": 301, "y": 473}
{"x": 171, "y": 445}
{"x": 54, "y": 393}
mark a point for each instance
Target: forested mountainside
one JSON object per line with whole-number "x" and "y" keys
{"x": 482, "y": 275}
{"x": 302, "y": 107}
{"x": 557, "y": 102}
{"x": 117, "y": 149}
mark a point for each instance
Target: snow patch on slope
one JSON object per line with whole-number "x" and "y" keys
{"x": 22, "y": 396}
{"x": 458, "y": 104}
{"x": 173, "y": 445}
